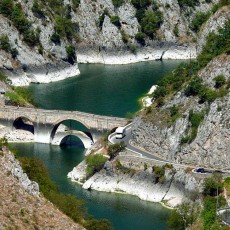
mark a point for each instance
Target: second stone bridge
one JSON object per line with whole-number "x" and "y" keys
{"x": 46, "y": 124}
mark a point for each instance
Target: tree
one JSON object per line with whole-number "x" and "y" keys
{"x": 71, "y": 56}
{"x": 194, "y": 87}
{"x": 5, "y": 43}
{"x": 185, "y": 214}
{"x": 114, "y": 149}
{"x": 220, "y": 81}
{"x": 151, "y": 22}
{"x": 212, "y": 184}
{"x": 175, "y": 222}
{"x": 95, "y": 163}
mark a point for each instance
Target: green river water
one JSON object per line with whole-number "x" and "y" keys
{"x": 105, "y": 90}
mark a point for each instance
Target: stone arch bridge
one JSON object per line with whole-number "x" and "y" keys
{"x": 44, "y": 123}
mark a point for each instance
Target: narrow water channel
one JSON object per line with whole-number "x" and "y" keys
{"x": 105, "y": 90}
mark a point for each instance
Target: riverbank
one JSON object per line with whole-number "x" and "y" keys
{"x": 144, "y": 178}
{"x": 145, "y": 54}
{"x": 18, "y": 135}
{"x": 42, "y": 74}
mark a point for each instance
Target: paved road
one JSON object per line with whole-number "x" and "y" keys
{"x": 146, "y": 154}
{"x": 131, "y": 148}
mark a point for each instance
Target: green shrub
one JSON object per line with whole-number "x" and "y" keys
{"x": 5, "y": 43}
{"x": 14, "y": 52}
{"x": 184, "y": 215}
{"x": 114, "y": 149}
{"x": 118, "y": 3}
{"x": 174, "y": 110}
{"x": 3, "y": 77}
{"x": 194, "y": 87}
{"x": 55, "y": 38}
{"x": 208, "y": 95}
{"x": 176, "y": 31}
{"x": 141, "y": 3}
{"x": 94, "y": 163}
{"x": 37, "y": 9}
{"x": 140, "y": 37}
{"x": 71, "y": 56}
{"x": 188, "y": 3}
{"x": 160, "y": 92}
{"x": 14, "y": 99}
{"x": 68, "y": 204}
{"x": 199, "y": 20}
{"x": 26, "y": 94}
{"x": 159, "y": 173}
{"x": 64, "y": 27}
{"x": 31, "y": 38}
{"x": 125, "y": 37}
{"x": 140, "y": 14}
{"x": 216, "y": 44}
{"x": 19, "y": 19}
{"x": 6, "y": 7}
{"x": 219, "y": 81}
{"x": 212, "y": 185}
{"x": 132, "y": 48}
{"x": 151, "y": 22}
{"x": 175, "y": 221}
{"x": 116, "y": 21}
{"x": 76, "y": 3}
{"x": 196, "y": 118}
{"x": 209, "y": 216}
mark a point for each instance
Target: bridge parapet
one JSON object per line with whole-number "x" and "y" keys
{"x": 54, "y": 117}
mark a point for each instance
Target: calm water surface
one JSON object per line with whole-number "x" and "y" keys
{"x": 106, "y": 90}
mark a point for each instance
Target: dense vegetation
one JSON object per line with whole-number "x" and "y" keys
{"x": 114, "y": 149}
{"x": 201, "y": 217}
{"x": 187, "y": 73}
{"x": 21, "y": 96}
{"x": 68, "y": 204}
{"x": 149, "y": 19}
{"x": 14, "y": 12}
{"x": 94, "y": 163}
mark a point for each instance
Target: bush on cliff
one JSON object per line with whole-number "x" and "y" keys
{"x": 114, "y": 149}
{"x": 213, "y": 186}
{"x": 94, "y": 163}
{"x": 68, "y": 204}
{"x": 183, "y": 216}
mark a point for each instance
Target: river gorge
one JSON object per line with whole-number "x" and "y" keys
{"x": 105, "y": 90}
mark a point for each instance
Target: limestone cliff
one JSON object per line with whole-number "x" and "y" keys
{"x": 42, "y": 42}
{"x": 147, "y": 179}
{"x": 22, "y": 205}
{"x": 191, "y": 125}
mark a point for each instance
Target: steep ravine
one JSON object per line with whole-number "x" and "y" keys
{"x": 22, "y": 205}
{"x": 98, "y": 32}
{"x": 211, "y": 145}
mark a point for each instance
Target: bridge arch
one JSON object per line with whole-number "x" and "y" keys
{"x": 23, "y": 123}
{"x": 84, "y": 140}
{"x": 61, "y": 131}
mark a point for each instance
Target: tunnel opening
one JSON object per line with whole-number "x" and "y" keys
{"x": 23, "y": 123}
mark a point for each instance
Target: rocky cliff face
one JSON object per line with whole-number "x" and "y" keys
{"x": 22, "y": 205}
{"x": 211, "y": 144}
{"x": 103, "y": 31}
{"x": 136, "y": 176}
